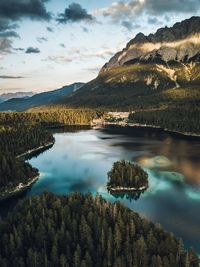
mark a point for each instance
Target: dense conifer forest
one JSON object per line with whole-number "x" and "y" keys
{"x": 125, "y": 174}
{"x": 15, "y": 139}
{"x": 52, "y": 116}
{"x": 174, "y": 119}
{"x": 21, "y": 132}
{"x": 82, "y": 231}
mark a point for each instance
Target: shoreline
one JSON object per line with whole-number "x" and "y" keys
{"x": 149, "y": 126}
{"x": 18, "y": 189}
{"x": 126, "y": 189}
{"x": 31, "y": 151}
{"x": 185, "y": 134}
{"x": 21, "y": 187}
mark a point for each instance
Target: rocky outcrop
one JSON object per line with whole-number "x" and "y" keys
{"x": 179, "y": 43}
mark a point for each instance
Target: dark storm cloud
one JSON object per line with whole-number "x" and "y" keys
{"x": 9, "y": 34}
{"x": 12, "y": 11}
{"x": 5, "y": 24}
{"x": 17, "y": 9}
{"x": 11, "y": 77}
{"x": 31, "y": 50}
{"x": 7, "y": 28}
{"x": 75, "y": 13}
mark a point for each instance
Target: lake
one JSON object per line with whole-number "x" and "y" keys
{"x": 81, "y": 158}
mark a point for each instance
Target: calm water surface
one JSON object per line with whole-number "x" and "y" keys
{"x": 80, "y": 160}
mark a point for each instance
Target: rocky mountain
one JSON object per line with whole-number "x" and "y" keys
{"x": 157, "y": 75}
{"x": 180, "y": 43}
{"x": 46, "y": 98}
{"x": 7, "y": 96}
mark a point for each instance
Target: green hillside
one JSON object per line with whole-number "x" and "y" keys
{"x": 152, "y": 90}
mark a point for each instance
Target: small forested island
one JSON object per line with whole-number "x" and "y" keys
{"x": 82, "y": 231}
{"x": 126, "y": 177}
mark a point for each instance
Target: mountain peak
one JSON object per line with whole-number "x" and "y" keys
{"x": 140, "y": 38}
{"x": 180, "y": 42}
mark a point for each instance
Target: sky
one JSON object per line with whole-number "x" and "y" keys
{"x": 46, "y": 44}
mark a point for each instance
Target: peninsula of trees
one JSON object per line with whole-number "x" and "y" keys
{"x": 81, "y": 231}
{"x": 24, "y": 132}
{"x": 127, "y": 176}
{"x": 17, "y": 139}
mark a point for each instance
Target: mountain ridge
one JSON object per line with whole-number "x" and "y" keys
{"x": 162, "y": 89}
{"x": 181, "y": 42}
{"x": 7, "y": 96}
{"x": 44, "y": 98}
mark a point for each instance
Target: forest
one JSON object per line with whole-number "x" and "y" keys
{"x": 20, "y": 132}
{"x": 15, "y": 140}
{"x": 128, "y": 175}
{"x": 178, "y": 119}
{"x": 52, "y": 116}
{"x": 82, "y": 231}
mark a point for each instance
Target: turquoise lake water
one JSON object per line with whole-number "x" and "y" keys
{"x": 81, "y": 158}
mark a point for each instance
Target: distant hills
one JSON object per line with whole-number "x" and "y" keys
{"x": 7, "y": 96}
{"x": 45, "y": 98}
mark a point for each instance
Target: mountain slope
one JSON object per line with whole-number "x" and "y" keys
{"x": 141, "y": 73}
{"x": 46, "y": 98}
{"x": 156, "y": 72}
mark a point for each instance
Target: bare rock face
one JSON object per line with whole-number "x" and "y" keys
{"x": 179, "y": 43}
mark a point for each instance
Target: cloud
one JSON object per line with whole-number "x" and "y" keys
{"x": 78, "y": 55}
{"x": 99, "y": 54}
{"x": 7, "y": 28}
{"x": 5, "y": 24}
{"x": 42, "y": 39}
{"x": 59, "y": 59}
{"x": 119, "y": 11}
{"x": 18, "y": 49}
{"x": 9, "y": 34}
{"x": 94, "y": 69}
{"x": 5, "y": 46}
{"x": 75, "y": 13}
{"x": 31, "y": 50}
{"x": 125, "y": 13}
{"x": 85, "y": 29}
{"x": 50, "y": 29}
{"x": 127, "y": 24}
{"x": 12, "y": 11}
{"x": 62, "y": 45}
{"x": 15, "y": 10}
{"x": 178, "y": 6}
{"x": 10, "y": 77}
{"x": 152, "y": 20}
